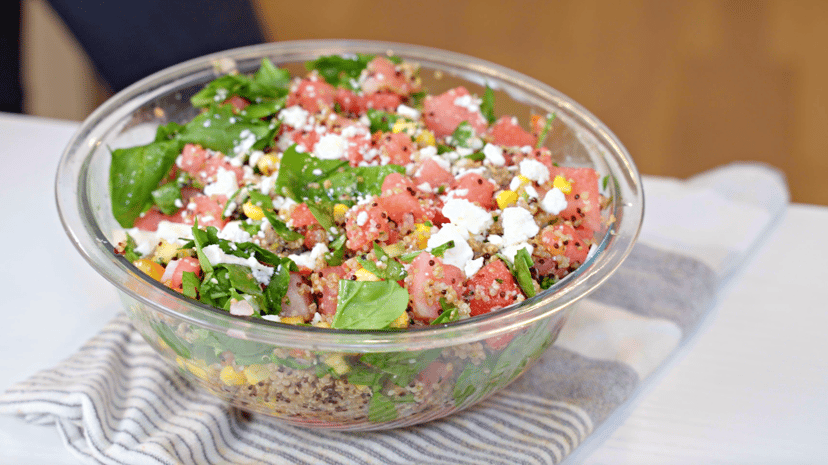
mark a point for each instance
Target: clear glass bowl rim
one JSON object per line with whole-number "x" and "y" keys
{"x": 87, "y": 237}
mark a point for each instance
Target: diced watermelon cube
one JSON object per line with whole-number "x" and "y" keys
{"x": 443, "y": 113}
{"x": 506, "y": 132}
{"x": 428, "y": 278}
{"x": 491, "y": 288}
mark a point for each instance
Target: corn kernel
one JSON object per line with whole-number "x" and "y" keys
{"x": 164, "y": 252}
{"x": 506, "y": 199}
{"x": 267, "y": 164}
{"x": 562, "y": 184}
{"x": 322, "y": 324}
{"x": 254, "y": 212}
{"x": 255, "y": 373}
{"x": 339, "y": 211}
{"x": 364, "y": 275}
{"x": 338, "y": 363}
{"x": 426, "y": 138}
{"x": 292, "y": 320}
{"x": 231, "y": 377}
{"x": 394, "y": 250}
{"x": 198, "y": 371}
{"x": 524, "y": 180}
{"x": 422, "y": 232}
{"x": 154, "y": 270}
{"x": 401, "y": 322}
{"x": 402, "y": 125}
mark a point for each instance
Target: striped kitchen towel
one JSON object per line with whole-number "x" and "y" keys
{"x": 116, "y": 402}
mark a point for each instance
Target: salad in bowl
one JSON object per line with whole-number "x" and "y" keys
{"x": 349, "y": 235}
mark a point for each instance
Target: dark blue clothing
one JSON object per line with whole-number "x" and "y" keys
{"x": 129, "y": 40}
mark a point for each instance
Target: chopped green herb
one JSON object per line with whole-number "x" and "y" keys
{"x": 523, "y": 275}
{"x": 545, "y": 131}
{"x": 441, "y": 249}
{"x": 166, "y": 197}
{"x": 487, "y": 105}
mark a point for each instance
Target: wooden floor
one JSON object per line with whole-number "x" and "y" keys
{"x": 686, "y": 85}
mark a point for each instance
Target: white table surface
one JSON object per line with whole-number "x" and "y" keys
{"x": 751, "y": 387}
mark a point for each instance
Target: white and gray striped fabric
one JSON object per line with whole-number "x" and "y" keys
{"x": 116, "y": 402}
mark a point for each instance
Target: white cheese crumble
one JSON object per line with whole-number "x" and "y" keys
{"x": 330, "y": 147}
{"x": 362, "y": 218}
{"x": 468, "y": 216}
{"x": 494, "y": 154}
{"x": 473, "y": 266}
{"x": 468, "y": 102}
{"x": 457, "y": 255}
{"x": 408, "y": 112}
{"x": 554, "y": 201}
{"x": 518, "y": 226}
{"x": 308, "y": 259}
{"x": 294, "y": 116}
{"x": 534, "y": 170}
{"x": 232, "y": 231}
{"x": 225, "y": 184}
{"x": 245, "y": 144}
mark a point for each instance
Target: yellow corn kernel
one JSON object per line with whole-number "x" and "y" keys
{"x": 426, "y": 137}
{"x": 402, "y": 125}
{"x": 339, "y": 211}
{"x": 401, "y": 322}
{"x": 322, "y": 324}
{"x": 292, "y": 320}
{"x": 338, "y": 363}
{"x": 154, "y": 270}
{"x": 422, "y": 232}
{"x": 267, "y": 164}
{"x": 198, "y": 371}
{"x": 254, "y": 212}
{"x": 562, "y": 184}
{"x": 164, "y": 252}
{"x": 255, "y": 373}
{"x": 506, "y": 199}
{"x": 394, "y": 250}
{"x": 364, "y": 275}
{"x": 524, "y": 180}
{"x": 231, "y": 377}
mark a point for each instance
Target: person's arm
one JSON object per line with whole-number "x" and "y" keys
{"x": 127, "y": 41}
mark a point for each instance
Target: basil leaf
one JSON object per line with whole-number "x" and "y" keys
{"x": 220, "y": 129}
{"x": 476, "y": 156}
{"x": 269, "y": 82}
{"x": 392, "y": 271}
{"x": 381, "y": 120}
{"x": 323, "y": 183}
{"x": 336, "y": 254}
{"x": 241, "y": 278}
{"x": 129, "y": 249}
{"x": 165, "y": 197}
{"x": 135, "y": 172}
{"x": 277, "y": 289}
{"x": 189, "y": 284}
{"x": 448, "y": 314}
{"x": 369, "y": 304}
{"x": 441, "y": 249}
{"x": 523, "y": 275}
{"x": 462, "y": 135}
{"x": 402, "y": 367}
{"x": 340, "y": 71}
{"x": 410, "y": 256}
{"x": 280, "y": 227}
{"x": 487, "y": 105}
{"x": 201, "y": 240}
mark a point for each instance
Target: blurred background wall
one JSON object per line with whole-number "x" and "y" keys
{"x": 686, "y": 85}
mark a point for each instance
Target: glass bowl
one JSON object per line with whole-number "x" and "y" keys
{"x": 337, "y": 379}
